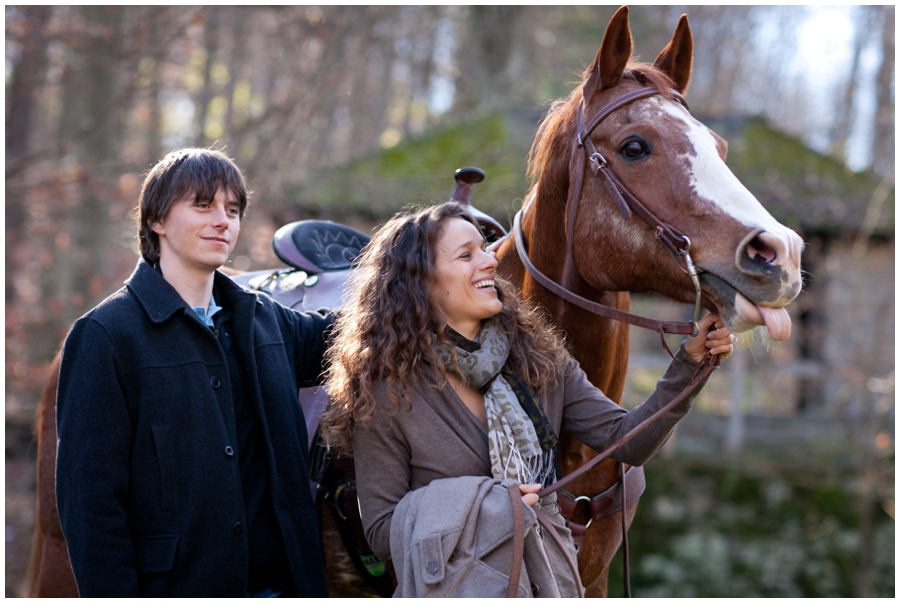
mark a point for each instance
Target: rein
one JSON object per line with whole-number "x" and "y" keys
{"x": 678, "y": 245}
{"x": 660, "y": 326}
{"x": 704, "y": 370}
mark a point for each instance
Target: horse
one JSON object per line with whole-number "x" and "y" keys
{"x": 583, "y": 236}
{"x": 632, "y": 194}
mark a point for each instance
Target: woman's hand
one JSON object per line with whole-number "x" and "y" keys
{"x": 714, "y": 338}
{"x": 529, "y": 493}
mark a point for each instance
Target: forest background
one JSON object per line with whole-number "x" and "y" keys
{"x": 96, "y": 95}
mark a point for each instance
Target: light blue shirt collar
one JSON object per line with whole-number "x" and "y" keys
{"x": 206, "y": 314}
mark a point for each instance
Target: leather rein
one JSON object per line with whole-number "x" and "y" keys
{"x": 678, "y": 245}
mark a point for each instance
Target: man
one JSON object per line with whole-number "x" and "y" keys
{"x": 182, "y": 459}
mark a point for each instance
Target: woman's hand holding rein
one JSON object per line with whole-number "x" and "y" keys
{"x": 714, "y": 338}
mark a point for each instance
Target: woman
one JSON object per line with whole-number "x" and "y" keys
{"x": 438, "y": 371}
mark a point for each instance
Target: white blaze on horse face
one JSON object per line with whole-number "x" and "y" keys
{"x": 714, "y": 181}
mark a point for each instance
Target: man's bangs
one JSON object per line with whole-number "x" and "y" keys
{"x": 203, "y": 178}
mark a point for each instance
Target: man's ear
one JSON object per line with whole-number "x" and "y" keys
{"x": 159, "y": 227}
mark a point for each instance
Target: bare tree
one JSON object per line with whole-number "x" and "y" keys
{"x": 22, "y": 94}
{"x": 844, "y": 113}
{"x": 493, "y": 61}
{"x": 883, "y": 144}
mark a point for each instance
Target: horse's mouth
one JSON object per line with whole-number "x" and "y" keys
{"x": 740, "y": 313}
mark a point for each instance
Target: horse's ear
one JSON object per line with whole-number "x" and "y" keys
{"x": 615, "y": 50}
{"x": 676, "y": 59}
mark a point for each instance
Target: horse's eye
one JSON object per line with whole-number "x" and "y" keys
{"x": 634, "y": 149}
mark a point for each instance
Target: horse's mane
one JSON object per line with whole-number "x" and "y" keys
{"x": 561, "y": 116}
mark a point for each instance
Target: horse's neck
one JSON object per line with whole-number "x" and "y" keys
{"x": 599, "y": 344}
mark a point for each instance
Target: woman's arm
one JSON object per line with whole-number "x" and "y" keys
{"x": 598, "y": 422}
{"x": 382, "y": 460}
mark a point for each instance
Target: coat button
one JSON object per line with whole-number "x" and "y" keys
{"x": 215, "y": 382}
{"x": 454, "y": 555}
{"x": 237, "y": 528}
{"x": 432, "y": 567}
{"x": 229, "y": 451}
{"x": 535, "y": 590}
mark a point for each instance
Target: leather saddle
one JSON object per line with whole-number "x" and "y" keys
{"x": 320, "y": 255}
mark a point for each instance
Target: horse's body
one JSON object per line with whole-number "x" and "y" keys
{"x": 749, "y": 266}
{"x": 577, "y": 235}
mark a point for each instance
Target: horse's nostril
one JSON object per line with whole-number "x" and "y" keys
{"x": 760, "y": 252}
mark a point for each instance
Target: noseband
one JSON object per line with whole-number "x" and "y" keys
{"x": 678, "y": 244}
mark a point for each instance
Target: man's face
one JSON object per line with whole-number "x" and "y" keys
{"x": 198, "y": 235}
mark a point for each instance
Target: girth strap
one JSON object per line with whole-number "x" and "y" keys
{"x": 602, "y": 505}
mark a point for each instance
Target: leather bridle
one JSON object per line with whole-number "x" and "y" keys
{"x": 678, "y": 244}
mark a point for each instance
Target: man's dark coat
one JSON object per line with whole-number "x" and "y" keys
{"x": 148, "y": 482}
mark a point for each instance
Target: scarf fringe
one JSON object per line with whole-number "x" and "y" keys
{"x": 534, "y": 470}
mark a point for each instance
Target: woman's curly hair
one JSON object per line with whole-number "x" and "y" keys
{"x": 384, "y": 333}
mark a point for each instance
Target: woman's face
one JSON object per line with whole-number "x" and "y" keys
{"x": 464, "y": 289}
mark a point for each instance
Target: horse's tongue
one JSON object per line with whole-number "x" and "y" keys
{"x": 777, "y": 320}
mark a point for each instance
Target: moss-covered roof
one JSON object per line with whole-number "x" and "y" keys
{"x": 803, "y": 189}
{"x": 421, "y": 170}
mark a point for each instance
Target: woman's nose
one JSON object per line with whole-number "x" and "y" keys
{"x": 490, "y": 259}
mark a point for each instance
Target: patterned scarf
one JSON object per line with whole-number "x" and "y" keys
{"x": 521, "y": 440}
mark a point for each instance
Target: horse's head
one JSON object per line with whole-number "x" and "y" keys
{"x": 674, "y": 167}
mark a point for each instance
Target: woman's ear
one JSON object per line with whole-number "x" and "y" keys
{"x": 158, "y": 227}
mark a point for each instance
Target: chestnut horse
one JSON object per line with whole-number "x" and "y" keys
{"x": 582, "y": 235}
{"x": 580, "y": 229}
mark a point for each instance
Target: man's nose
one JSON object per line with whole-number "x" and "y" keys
{"x": 220, "y": 216}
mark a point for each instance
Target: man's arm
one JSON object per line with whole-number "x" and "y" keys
{"x": 92, "y": 468}
{"x": 311, "y": 335}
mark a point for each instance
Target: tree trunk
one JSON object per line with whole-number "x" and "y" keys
{"x": 494, "y": 62}
{"x": 211, "y": 44}
{"x": 90, "y": 131}
{"x": 22, "y": 93}
{"x": 844, "y": 111}
{"x": 883, "y": 146}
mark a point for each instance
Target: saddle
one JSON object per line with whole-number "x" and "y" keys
{"x": 320, "y": 255}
